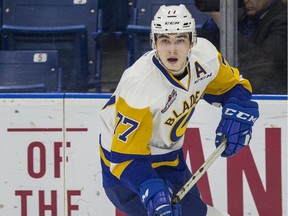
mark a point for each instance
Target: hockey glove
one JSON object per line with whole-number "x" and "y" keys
{"x": 156, "y": 198}
{"x": 236, "y": 124}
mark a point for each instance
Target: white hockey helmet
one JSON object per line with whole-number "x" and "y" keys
{"x": 173, "y": 19}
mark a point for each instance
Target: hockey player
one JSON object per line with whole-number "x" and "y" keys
{"x": 145, "y": 119}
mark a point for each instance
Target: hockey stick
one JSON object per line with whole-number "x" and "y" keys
{"x": 199, "y": 173}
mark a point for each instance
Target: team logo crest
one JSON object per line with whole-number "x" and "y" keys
{"x": 170, "y": 100}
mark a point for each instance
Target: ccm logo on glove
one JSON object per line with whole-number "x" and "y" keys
{"x": 240, "y": 115}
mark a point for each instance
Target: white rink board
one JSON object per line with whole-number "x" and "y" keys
{"x": 50, "y": 161}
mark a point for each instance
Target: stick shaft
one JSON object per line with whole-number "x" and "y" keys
{"x": 199, "y": 173}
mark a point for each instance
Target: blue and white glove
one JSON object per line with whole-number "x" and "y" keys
{"x": 236, "y": 124}
{"x": 156, "y": 198}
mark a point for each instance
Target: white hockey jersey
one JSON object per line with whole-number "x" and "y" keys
{"x": 149, "y": 112}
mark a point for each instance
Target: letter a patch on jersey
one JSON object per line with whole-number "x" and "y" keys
{"x": 199, "y": 69}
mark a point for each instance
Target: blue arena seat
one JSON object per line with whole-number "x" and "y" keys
{"x": 115, "y": 16}
{"x": 29, "y": 71}
{"x": 67, "y": 26}
{"x": 144, "y": 11}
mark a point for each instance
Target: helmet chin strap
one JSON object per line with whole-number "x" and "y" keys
{"x": 175, "y": 73}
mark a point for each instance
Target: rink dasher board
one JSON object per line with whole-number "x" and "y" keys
{"x": 50, "y": 160}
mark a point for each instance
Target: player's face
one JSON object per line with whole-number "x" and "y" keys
{"x": 172, "y": 49}
{"x": 254, "y": 6}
